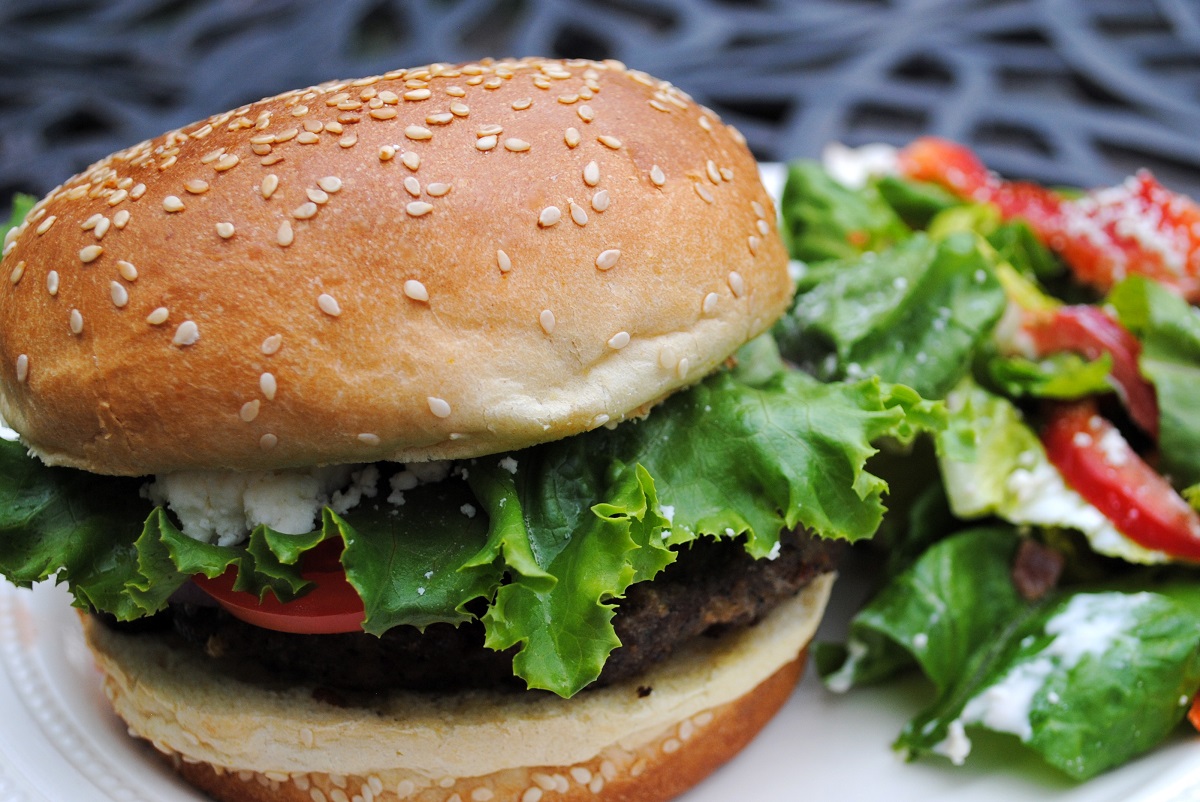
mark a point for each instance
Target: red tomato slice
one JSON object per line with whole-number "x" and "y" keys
{"x": 1136, "y": 227}
{"x": 1097, "y": 462}
{"x": 1088, "y": 331}
{"x": 332, "y": 606}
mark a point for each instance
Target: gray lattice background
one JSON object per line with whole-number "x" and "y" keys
{"x": 1070, "y": 91}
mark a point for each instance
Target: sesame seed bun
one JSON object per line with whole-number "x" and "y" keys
{"x": 437, "y": 263}
{"x": 239, "y": 741}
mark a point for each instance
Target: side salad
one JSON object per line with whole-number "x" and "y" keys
{"x": 1042, "y": 572}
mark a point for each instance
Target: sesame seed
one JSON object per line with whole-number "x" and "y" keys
{"x": 709, "y": 305}
{"x": 737, "y": 284}
{"x": 226, "y": 162}
{"x": 654, "y": 104}
{"x": 705, "y": 124}
{"x": 591, "y": 174}
{"x": 618, "y": 340}
{"x": 572, "y": 137}
{"x": 703, "y": 192}
{"x": 76, "y": 321}
{"x": 567, "y": 100}
{"x": 305, "y": 211}
{"x": 386, "y": 153}
{"x": 158, "y": 316}
{"x": 196, "y": 186}
{"x": 438, "y": 406}
{"x": 121, "y": 218}
{"x": 437, "y": 189}
{"x": 366, "y": 438}
{"x": 753, "y": 243}
{"x": 267, "y": 161}
{"x": 268, "y": 385}
{"x": 285, "y": 236}
{"x": 544, "y": 781}
{"x": 413, "y": 186}
{"x": 418, "y": 208}
{"x": 117, "y": 197}
{"x": 45, "y": 225}
{"x": 763, "y": 227}
{"x": 348, "y": 141}
{"x": 418, "y": 133}
{"x": 759, "y": 211}
{"x": 727, "y": 173}
{"x": 249, "y": 410}
{"x": 17, "y": 272}
{"x": 522, "y": 104}
{"x": 138, "y": 191}
{"x": 416, "y": 290}
{"x": 52, "y": 282}
{"x": 607, "y": 259}
{"x": 459, "y": 109}
{"x": 172, "y": 203}
{"x": 328, "y": 304}
{"x": 266, "y": 443}
{"x": 101, "y": 228}
{"x": 657, "y": 176}
{"x": 22, "y": 367}
{"x": 411, "y": 159}
{"x": 272, "y": 344}
{"x": 681, "y": 368}
{"x": 212, "y": 156}
{"x": 493, "y": 83}
{"x": 609, "y": 141}
{"x": 330, "y": 183}
{"x": 586, "y": 113}
{"x": 118, "y": 293}
{"x": 485, "y": 143}
{"x": 532, "y": 794}
{"x": 90, "y": 253}
{"x": 600, "y": 200}
{"x": 547, "y": 320}
{"x": 504, "y": 263}
{"x": 307, "y": 138}
{"x": 317, "y": 196}
{"x": 418, "y": 94}
{"x": 287, "y": 135}
{"x": 86, "y": 225}
{"x": 597, "y": 421}
{"x": 127, "y": 270}
{"x": 549, "y": 216}
{"x": 186, "y": 334}
{"x": 482, "y": 794}
{"x": 581, "y": 775}
{"x": 388, "y": 113}
{"x": 440, "y": 118}
{"x": 516, "y": 145}
{"x": 578, "y": 214}
{"x": 299, "y": 111}
{"x": 714, "y": 174}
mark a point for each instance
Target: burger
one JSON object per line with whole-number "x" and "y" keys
{"x": 412, "y": 437}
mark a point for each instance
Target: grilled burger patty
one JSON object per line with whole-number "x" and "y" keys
{"x": 711, "y": 587}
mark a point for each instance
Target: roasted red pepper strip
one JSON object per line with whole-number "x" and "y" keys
{"x": 1136, "y": 227}
{"x": 1089, "y": 332}
{"x": 1097, "y": 462}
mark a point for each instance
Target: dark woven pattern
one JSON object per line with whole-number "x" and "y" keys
{"x": 1071, "y": 91}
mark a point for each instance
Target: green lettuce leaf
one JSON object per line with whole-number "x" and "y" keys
{"x": 1061, "y": 376}
{"x": 823, "y": 219}
{"x": 1087, "y": 681}
{"x": 913, "y": 314}
{"x": 554, "y": 533}
{"x": 1169, "y": 329}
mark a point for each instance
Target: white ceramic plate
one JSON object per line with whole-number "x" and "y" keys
{"x": 60, "y": 742}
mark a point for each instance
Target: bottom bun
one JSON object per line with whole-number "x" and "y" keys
{"x": 645, "y": 740}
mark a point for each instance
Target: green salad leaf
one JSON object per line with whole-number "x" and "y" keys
{"x": 824, "y": 220}
{"x": 912, "y": 314}
{"x": 1169, "y": 330}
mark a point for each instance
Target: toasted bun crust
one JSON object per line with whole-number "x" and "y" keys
{"x": 244, "y": 742}
{"x": 440, "y": 262}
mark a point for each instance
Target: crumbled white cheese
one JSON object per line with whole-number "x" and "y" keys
{"x": 363, "y": 483}
{"x": 414, "y": 474}
{"x": 853, "y": 167}
{"x": 223, "y": 506}
{"x": 509, "y": 464}
{"x": 956, "y": 745}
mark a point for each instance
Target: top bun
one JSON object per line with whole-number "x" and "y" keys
{"x": 440, "y": 262}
